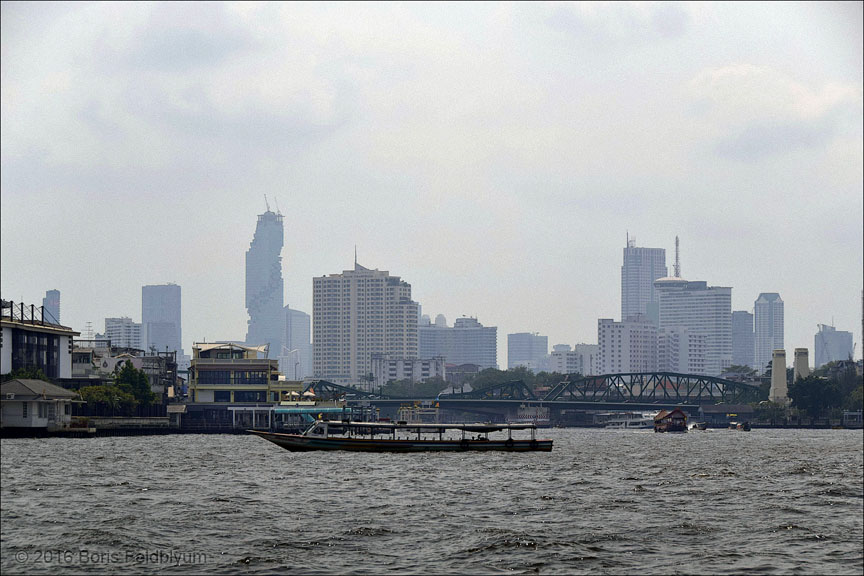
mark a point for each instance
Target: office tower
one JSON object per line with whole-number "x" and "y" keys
{"x": 124, "y": 333}
{"x": 264, "y": 285}
{"x": 466, "y": 342}
{"x": 702, "y": 309}
{"x": 527, "y": 349}
{"x": 743, "y": 340}
{"x": 768, "y": 328}
{"x": 831, "y": 345}
{"x": 295, "y": 360}
{"x": 628, "y": 346}
{"x": 51, "y": 306}
{"x": 160, "y": 317}
{"x": 681, "y": 350}
{"x": 356, "y": 314}
{"x": 642, "y": 266}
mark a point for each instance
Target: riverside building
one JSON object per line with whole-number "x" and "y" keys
{"x": 356, "y": 314}
{"x": 628, "y": 346}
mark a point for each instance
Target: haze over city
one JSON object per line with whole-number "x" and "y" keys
{"x": 493, "y": 156}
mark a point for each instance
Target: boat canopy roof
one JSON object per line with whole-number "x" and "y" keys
{"x": 478, "y": 427}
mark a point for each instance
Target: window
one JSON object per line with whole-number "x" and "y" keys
{"x": 24, "y": 411}
{"x": 221, "y": 396}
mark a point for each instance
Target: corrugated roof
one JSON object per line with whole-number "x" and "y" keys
{"x": 35, "y": 389}
{"x": 204, "y": 346}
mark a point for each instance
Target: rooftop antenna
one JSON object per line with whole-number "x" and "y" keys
{"x": 277, "y": 206}
{"x": 266, "y": 202}
{"x": 355, "y": 255}
{"x": 677, "y": 261}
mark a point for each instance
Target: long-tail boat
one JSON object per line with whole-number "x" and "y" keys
{"x": 405, "y": 437}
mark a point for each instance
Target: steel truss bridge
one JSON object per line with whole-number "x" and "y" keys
{"x": 646, "y": 388}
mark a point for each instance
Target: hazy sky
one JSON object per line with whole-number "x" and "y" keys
{"x": 492, "y": 155}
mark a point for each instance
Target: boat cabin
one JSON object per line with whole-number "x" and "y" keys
{"x": 674, "y": 421}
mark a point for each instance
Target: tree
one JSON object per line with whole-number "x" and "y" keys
{"x": 28, "y": 373}
{"x": 815, "y": 394}
{"x": 407, "y": 389}
{"x": 106, "y": 396}
{"x": 134, "y": 382}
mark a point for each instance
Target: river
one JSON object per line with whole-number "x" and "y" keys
{"x": 714, "y": 502}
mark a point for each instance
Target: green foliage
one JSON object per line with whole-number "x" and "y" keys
{"x": 119, "y": 401}
{"x": 26, "y": 374}
{"x": 855, "y": 400}
{"x": 493, "y": 377}
{"x": 135, "y": 383}
{"x": 407, "y": 389}
{"x": 739, "y": 369}
{"x": 815, "y": 394}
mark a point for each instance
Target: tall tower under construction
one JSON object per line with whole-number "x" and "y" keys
{"x": 264, "y": 284}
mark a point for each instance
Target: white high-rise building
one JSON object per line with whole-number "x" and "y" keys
{"x": 628, "y": 346}
{"x": 356, "y": 314}
{"x": 582, "y": 359}
{"x": 703, "y": 310}
{"x": 831, "y": 345}
{"x": 768, "y": 328}
{"x": 124, "y": 333}
{"x": 642, "y": 266}
{"x": 528, "y": 350}
{"x": 681, "y": 350}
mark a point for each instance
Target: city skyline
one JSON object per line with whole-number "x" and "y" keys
{"x": 464, "y": 181}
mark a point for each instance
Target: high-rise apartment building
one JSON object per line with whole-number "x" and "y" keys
{"x": 628, "y": 346}
{"x": 831, "y": 345}
{"x": 527, "y": 349}
{"x": 264, "y": 284}
{"x": 51, "y": 306}
{"x": 702, "y": 309}
{"x": 466, "y": 342}
{"x": 642, "y": 266}
{"x": 681, "y": 350}
{"x": 124, "y": 333}
{"x": 160, "y": 316}
{"x": 743, "y": 340}
{"x": 295, "y": 360}
{"x": 356, "y": 314}
{"x": 768, "y": 328}
{"x": 582, "y": 359}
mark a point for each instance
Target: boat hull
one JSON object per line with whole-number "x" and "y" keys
{"x": 299, "y": 443}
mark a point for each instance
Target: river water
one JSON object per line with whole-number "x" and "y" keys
{"x": 719, "y": 501}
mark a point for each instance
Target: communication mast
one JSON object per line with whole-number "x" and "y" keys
{"x": 677, "y": 261}
{"x": 266, "y": 202}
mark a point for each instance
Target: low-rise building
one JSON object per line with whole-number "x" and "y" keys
{"x": 30, "y": 341}
{"x": 35, "y": 404}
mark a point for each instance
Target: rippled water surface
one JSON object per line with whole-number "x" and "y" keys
{"x": 719, "y": 501}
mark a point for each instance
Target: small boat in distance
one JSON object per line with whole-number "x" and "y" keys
{"x": 630, "y": 421}
{"x": 404, "y": 437}
{"x": 743, "y": 426}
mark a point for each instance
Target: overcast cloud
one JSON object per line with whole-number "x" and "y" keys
{"x": 492, "y": 155}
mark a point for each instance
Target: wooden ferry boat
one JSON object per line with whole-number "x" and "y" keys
{"x": 404, "y": 437}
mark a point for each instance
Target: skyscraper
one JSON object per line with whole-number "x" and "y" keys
{"x": 768, "y": 328}
{"x": 264, "y": 285}
{"x": 831, "y": 345}
{"x": 160, "y": 317}
{"x": 743, "y": 341}
{"x": 527, "y": 349}
{"x": 51, "y": 306}
{"x": 642, "y": 266}
{"x": 356, "y": 314}
{"x": 703, "y": 309}
{"x": 466, "y": 342}
{"x": 627, "y": 346}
